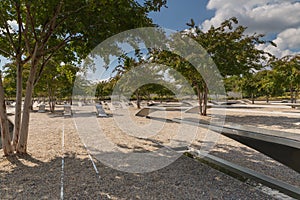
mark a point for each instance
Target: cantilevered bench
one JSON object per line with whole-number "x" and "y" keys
{"x": 281, "y": 146}
{"x": 294, "y": 105}
{"x": 144, "y": 112}
{"x": 100, "y": 111}
{"x": 67, "y": 110}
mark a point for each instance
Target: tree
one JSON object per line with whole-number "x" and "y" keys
{"x": 10, "y": 78}
{"x": 287, "y": 72}
{"x": 249, "y": 84}
{"x": 56, "y": 82}
{"x": 233, "y": 52}
{"x": 188, "y": 71}
{"x": 5, "y": 136}
{"x": 267, "y": 83}
{"x": 127, "y": 63}
{"x": 35, "y": 31}
{"x": 104, "y": 89}
{"x": 232, "y": 83}
{"x": 157, "y": 89}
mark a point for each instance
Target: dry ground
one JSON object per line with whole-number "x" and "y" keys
{"x": 59, "y": 166}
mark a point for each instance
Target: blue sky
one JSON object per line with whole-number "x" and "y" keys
{"x": 279, "y": 20}
{"x": 179, "y": 12}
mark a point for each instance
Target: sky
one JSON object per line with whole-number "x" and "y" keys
{"x": 279, "y": 20}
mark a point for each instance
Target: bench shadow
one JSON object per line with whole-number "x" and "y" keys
{"x": 252, "y": 159}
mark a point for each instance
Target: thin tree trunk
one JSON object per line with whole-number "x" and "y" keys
{"x": 252, "y": 98}
{"x": 18, "y": 108}
{"x": 199, "y": 94}
{"x": 51, "y": 99}
{"x": 205, "y": 99}
{"x": 292, "y": 93}
{"x": 5, "y": 135}
{"x": 138, "y": 102}
{"x": 22, "y": 145}
{"x": 296, "y": 94}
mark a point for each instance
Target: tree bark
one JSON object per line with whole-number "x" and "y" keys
{"x": 199, "y": 94}
{"x": 51, "y": 98}
{"x": 205, "y": 99}
{"x": 296, "y": 94}
{"x": 18, "y": 108}
{"x": 138, "y": 101}
{"x": 18, "y": 57}
{"x": 292, "y": 93}
{"x": 5, "y": 135}
{"x": 22, "y": 144}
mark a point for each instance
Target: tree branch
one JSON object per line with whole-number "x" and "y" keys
{"x": 59, "y": 46}
{"x": 27, "y": 43}
{"x": 5, "y": 52}
{"x": 19, "y": 56}
{"x": 8, "y": 33}
{"x": 29, "y": 16}
{"x": 46, "y": 61}
{"x": 46, "y": 33}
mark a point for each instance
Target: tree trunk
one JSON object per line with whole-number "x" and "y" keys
{"x": 51, "y": 99}
{"x": 138, "y": 102}
{"x": 52, "y": 105}
{"x": 252, "y": 98}
{"x": 22, "y": 145}
{"x": 205, "y": 99}
{"x": 199, "y": 94}
{"x": 5, "y": 135}
{"x": 18, "y": 108}
{"x": 292, "y": 93}
{"x": 296, "y": 95}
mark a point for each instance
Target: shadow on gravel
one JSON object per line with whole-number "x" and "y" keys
{"x": 264, "y": 120}
{"x": 255, "y": 160}
{"x": 29, "y": 178}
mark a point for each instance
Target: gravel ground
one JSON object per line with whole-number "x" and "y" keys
{"x": 266, "y": 118}
{"x": 54, "y": 142}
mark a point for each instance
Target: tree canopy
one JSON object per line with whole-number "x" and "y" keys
{"x": 36, "y": 31}
{"x": 233, "y": 52}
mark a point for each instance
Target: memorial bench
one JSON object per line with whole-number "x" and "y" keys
{"x": 42, "y": 108}
{"x": 67, "y": 110}
{"x": 100, "y": 111}
{"x": 294, "y": 105}
{"x": 281, "y": 146}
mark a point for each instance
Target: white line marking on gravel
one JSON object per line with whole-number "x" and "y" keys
{"x": 88, "y": 152}
{"x": 94, "y": 165}
{"x": 62, "y": 163}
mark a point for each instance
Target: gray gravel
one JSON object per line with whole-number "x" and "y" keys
{"x": 38, "y": 176}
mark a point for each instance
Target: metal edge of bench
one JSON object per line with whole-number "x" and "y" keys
{"x": 255, "y": 135}
{"x": 144, "y": 112}
{"x": 283, "y": 150}
{"x": 246, "y": 172}
{"x": 295, "y": 105}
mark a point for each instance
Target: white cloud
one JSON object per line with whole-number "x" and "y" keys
{"x": 271, "y": 17}
{"x": 261, "y": 16}
{"x": 288, "y": 42}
